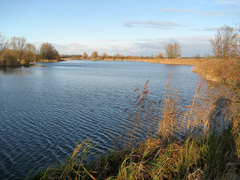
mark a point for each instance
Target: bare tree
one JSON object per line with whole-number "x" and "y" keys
{"x": 221, "y": 43}
{"x": 85, "y": 55}
{"x": 104, "y": 56}
{"x": 18, "y": 45}
{"x": 56, "y": 54}
{"x": 47, "y": 51}
{"x": 3, "y": 44}
{"x": 94, "y": 55}
{"x": 160, "y": 56}
{"x": 118, "y": 56}
{"x": 30, "y": 54}
{"x": 172, "y": 50}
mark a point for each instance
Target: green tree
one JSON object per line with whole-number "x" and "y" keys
{"x": 172, "y": 50}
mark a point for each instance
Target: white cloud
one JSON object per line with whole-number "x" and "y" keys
{"x": 164, "y": 25}
{"x": 206, "y": 29}
{"x": 217, "y": 13}
{"x": 73, "y": 48}
{"x": 115, "y": 40}
{"x": 191, "y": 46}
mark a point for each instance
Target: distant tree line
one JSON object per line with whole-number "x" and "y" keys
{"x": 104, "y": 56}
{"x": 172, "y": 51}
{"x": 17, "y": 51}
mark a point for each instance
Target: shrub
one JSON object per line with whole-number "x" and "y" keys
{"x": 160, "y": 56}
{"x": 9, "y": 58}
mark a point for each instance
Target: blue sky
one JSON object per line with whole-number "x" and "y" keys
{"x": 128, "y": 27}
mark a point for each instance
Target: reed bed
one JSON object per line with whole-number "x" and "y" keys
{"x": 191, "y": 62}
{"x": 224, "y": 71}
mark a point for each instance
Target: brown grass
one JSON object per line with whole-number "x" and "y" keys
{"x": 180, "y": 61}
{"x": 221, "y": 70}
{"x": 190, "y": 62}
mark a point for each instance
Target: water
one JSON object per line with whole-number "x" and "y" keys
{"x": 47, "y": 109}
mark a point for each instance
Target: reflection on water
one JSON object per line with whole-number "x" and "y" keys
{"x": 15, "y": 71}
{"x": 20, "y": 71}
{"x": 45, "y": 111}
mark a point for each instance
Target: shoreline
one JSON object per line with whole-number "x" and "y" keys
{"x": 190, "y": 62}
{"x": 21, "y": 64}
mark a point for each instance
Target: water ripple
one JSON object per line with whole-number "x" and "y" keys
{"x": 46, "y": 112}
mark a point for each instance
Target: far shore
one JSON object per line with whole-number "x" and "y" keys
{"x": 23, "y": 64}
{"x": 190, "y": 62}
{"x": 51, "y": 60}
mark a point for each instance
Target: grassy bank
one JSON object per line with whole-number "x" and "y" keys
{"x": 51, "y": 60}
{"x": 224, "y": 71}
{"x": 197, "y": 141}
{"x": 191, "y": 62}
{"x": 180, "y": 61}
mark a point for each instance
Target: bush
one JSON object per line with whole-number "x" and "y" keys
{"x": 160, "y": 56}
{"x": 9, "y": 58}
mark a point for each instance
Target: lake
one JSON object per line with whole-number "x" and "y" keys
{"x": 45, "y": 110}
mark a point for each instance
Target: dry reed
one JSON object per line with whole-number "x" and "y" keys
{"x": 191, "y": 62}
